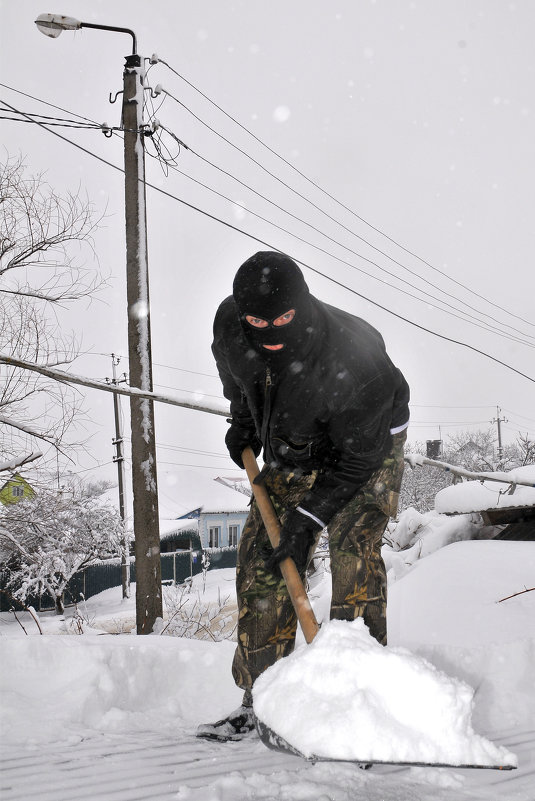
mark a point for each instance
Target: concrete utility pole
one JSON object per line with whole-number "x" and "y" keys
{"x": 144, "y": 484}
{"x": 119, "y": 459}
{"x": 499, "y": 420}
{"x": 144, "y": 481}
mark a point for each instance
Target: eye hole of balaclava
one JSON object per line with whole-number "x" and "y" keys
{"x": 267, "y": 286}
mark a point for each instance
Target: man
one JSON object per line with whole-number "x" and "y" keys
{"x": 314, "y": 388}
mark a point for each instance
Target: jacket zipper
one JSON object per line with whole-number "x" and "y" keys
{"x": 267, "y": 414}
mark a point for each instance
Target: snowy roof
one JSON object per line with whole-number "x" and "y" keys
{"x": 476, "y": 496}
{"x": 173, "y": 526}
{"x": 183, "y": 491}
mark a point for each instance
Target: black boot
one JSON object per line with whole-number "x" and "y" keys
{"x": 236, "y": 726}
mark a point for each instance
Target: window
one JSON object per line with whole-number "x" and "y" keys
{"x": 214, "y": 536}
{"x": 17, "y": 492}
{"x": 233, "y": 536}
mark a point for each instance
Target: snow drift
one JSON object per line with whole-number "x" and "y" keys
{"x": 344, "y": 696}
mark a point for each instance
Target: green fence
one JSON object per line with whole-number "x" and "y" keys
{"x": 176, "y": 568}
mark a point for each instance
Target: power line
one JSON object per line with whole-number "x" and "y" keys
{"x": 307, "y": 179}
{"x": 97, "y": 126}
{"x": 478, "y": 324}
{"x": 201, "y": 466}
{"x": 323, "y": 191}
{"x": 190, "y": 391}
{"x": 431, "y": 406}
{"x": 516, "y": 414}
{"x": 59, "y": 124}
{"x": 183, "y": 449}
{"x": 304, "y": 264}
{"x": 333, "y": 219}
{"x": 46, "y": 103}
{"x": 431, "y": 423}
{"x": 154, "y": 364}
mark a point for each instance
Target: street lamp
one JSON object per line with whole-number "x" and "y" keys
{"x": 144, "y": 480}
{"x": 53, "y": 24}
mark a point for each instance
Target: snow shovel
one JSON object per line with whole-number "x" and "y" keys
{"x": 309, "y": 625}
{"x": 303, "y": 609}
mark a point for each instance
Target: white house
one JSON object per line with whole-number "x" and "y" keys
{"x": 219, "y": 511}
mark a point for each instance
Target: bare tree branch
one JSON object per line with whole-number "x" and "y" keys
{"x": 531, "y": 589}
{"x": 19, "y": 461}
{"x": 42, "y": 236}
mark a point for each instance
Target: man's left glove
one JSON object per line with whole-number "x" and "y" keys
{"x": 237, "y": 439}
{"x": 296, "y": 538}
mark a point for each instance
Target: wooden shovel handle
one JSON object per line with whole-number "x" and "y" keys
{"x": 296, "y": 590}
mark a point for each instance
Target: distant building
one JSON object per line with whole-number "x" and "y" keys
{"x": 15, "y": 489}
{"x": 211, "y": 509}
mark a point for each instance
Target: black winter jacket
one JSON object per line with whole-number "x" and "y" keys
{"x": 332, "y": 412}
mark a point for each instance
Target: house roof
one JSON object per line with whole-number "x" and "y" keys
{"x": 15, "y": 479}
{"x": 477, "y": 496}
{"x": 174, "y": 526}
{"x": 184, "y": 491}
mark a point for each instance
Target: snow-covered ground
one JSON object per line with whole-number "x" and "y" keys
{"x": 95, "y": 716}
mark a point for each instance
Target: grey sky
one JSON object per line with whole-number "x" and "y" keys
{"x": 418, "y": 116}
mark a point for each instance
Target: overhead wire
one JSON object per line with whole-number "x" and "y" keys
{"x": 57, "y": 123}
{"x": 477, "y": 322}
{"x": 330, "y": 217}
{"x": 190, "y": 391}
{"x": 352, "y": 266}
{"x": 155, "y": 60}
{"x": 269, "y": 245}
{"x": 184, "y": 449}
{"x": 338, "y": 202}
{"x": 490, "y": 406}
{"x": 154, "y": 364}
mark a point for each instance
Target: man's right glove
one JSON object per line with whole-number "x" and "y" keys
{"x": 237, "y": 439}
{"x": 296, "y": 538}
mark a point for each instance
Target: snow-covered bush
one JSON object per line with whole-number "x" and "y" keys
{"x": 45, "y": 540}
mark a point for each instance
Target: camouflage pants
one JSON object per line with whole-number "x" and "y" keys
{"x": 267, "y": 622}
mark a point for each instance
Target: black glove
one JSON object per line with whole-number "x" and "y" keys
{"x": 237, "y": 439}
{"x": 296, "y": 537}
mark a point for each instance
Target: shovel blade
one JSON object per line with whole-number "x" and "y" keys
{"x": 274, "y": 741}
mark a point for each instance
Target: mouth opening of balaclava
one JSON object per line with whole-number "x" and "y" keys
{"x": 268, "y": 285}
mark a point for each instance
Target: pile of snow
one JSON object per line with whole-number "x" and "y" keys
{"x": 446, "y": 609}
{"x": 418, "y": 535}
{"x": 456, "y": 596}
{"x": 110, "y": 684}
{"x": 346, "y": 697}
{"x": 476, "y": 496}
{"x": 465, "y": 609}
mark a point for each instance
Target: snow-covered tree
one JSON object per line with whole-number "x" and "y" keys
{"x": 420, "y": 485}
{"x": 45, "y": 540}
{"x": 42, "y": 234}
{"x": 472, "y": 450}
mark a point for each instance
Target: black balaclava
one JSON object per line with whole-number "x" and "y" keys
{"x": 268, "y": 285}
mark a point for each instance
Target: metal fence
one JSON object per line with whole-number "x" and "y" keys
{"x": 176, "y": 568}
